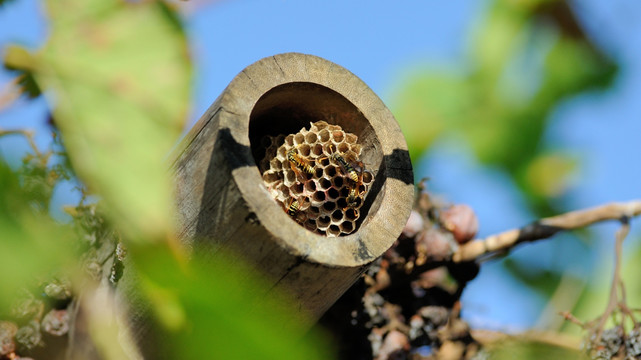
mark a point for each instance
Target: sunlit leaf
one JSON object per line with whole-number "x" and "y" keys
{"x": 550, "y": 175}
{"x": 542, "y": 281}
{"x": 216, "y": 310}
{"x": 426, "y": 106}
{"x": 117, "y": 75}
{"x": 518, "y": 70}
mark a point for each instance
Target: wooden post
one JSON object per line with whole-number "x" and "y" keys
{"x": 223, "y": 202}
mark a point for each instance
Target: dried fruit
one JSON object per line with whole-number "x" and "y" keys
{"x": 414, "y": 224}
{"x": 59, "y": 289}
{"x": 433, "y": 244}
{"x": 461, "y": 221}
{"x": 394, "y": 345}
{"x": 29, "y": 336}
{"x": 7, "y": 332}
{"x": 56, "y": 322}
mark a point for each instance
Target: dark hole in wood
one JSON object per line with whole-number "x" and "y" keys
{"x": 287, "y": 108}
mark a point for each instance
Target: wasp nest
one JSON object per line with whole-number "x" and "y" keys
{"x": 317, "y": 177}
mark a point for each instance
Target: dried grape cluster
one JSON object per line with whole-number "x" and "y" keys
{"x": 614, "y": 343}
{"x": 317, "y": 177}
{"x": 406, "y": 305}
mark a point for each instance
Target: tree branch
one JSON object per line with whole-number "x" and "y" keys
{"x": 545, "y": 228}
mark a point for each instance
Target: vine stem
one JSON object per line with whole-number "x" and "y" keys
{"x": 617, "y": 283}
{"x": 545, "y": 228}
{"x": 29, "y": 136}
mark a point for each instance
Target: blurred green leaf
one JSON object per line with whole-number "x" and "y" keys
{"x": 19, "y": 60}
{"x": 526, "y": 58}
{"x": 550, "y": 175}
{"x": 593, "y": 301}
{"x": 117, "y": 75}
{"x": 543, "y": 281}
{"x": 217, "y": 310}
{"x": 526, "y": 350}
{"x": 32, "y": 245}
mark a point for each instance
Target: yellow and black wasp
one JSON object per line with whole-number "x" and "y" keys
{"x": 298, "y": 163}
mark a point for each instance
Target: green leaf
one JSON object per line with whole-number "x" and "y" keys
{"x": 518, "y": 70}
{"x": 32, "y": 245}
{"x": 219, "y": 310}
{"x": 550, "y": 175}
{"x": 426, "y": 106}
{"x": 117, "y": 75}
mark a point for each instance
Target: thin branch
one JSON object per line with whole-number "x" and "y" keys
{"x": 29, "y": 136}
{"x": 545, "y": 228}
{"x": 613, "y": 302}
{"x": 490, "y": 338}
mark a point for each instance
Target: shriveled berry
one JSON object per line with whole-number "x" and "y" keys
{"x": 27, "y": 307}
{"x": 416, "y": 326}
{"x": 434, "y": 244}
{"x": 56, "y": 322}
{"x": 394, "y": 344}
{"x": 431, "y": 278}
{"x": 58, "y": 289}
{"x": 436, "y": 315}
{"x": 461, "y": 221}
{"x": 29, "y": 336}
{"x": 7, "y": 332}
{"x": 633, "y": 343}
{"x": 414, "y": 224}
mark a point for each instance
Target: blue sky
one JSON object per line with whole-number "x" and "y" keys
{"x": 382, "y": 44}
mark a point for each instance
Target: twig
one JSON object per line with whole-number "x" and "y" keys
{"x": 571, "y": 318}
{"x": 490, "y": 338}
{"x": 544, "y": 228}
{"x": 617, "y": 303}
{"x": 28, "y": 135}
{"x": 613, "y": 302}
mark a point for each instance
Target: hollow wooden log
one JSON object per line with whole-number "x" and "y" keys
{"x": 223, "y": 202}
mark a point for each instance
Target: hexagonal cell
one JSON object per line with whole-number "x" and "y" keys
{"x": 310, "y": 186}
{"x": 368, "y": 177}
{"x": 329, "y": 206}
{"x": 338, "y": 181}
{"x": 324, "y": 135}
{"x": 319, "y": 196}
{"x": 318, "y": 186}
{"x": 347, "y": 227}
{"x": 330, "y": 171}
{"x": 323, "y": 222}
{"x": 332, "y": 193}
{"x": 324, "y": 183}
{"x": 333, "y": 230}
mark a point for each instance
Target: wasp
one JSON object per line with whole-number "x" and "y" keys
{"x": 354, "y": 194}
{"x": 294, "y": 207}
{"x": 347, "y": 168}
{"x": 298, "y": 163}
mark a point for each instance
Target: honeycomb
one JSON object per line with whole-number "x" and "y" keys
{"x": 310, "y": 174}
